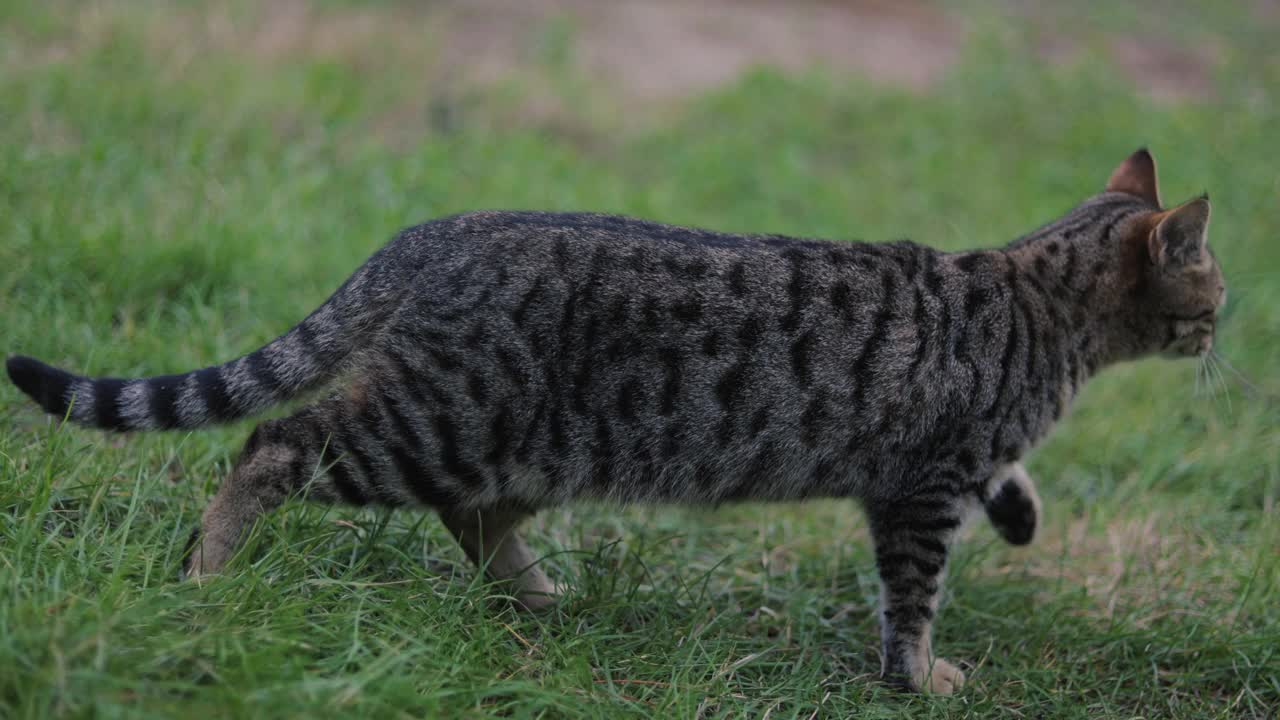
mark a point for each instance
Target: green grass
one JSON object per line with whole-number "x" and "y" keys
{"x": 167, "y": 201}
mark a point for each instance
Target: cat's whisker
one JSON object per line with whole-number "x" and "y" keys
{"x": 1210, "y": 379}
{"x": 1222, "y": 381}
{"x": 1250, "y": 388}
{"x": 1204, "y": 379}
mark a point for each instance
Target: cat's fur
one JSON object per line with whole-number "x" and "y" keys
{"x": 495, "y": 363}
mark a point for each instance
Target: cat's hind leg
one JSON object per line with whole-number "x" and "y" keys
{"x": 270, "y": 468}
{"x": 1012, "y": 503}
{"x": 492, "y": 540}
{"x": 309, "y": 455}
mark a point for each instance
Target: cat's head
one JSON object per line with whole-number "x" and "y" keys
{"x": 1173, "y": 286}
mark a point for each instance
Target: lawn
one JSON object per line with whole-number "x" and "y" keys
{"x": 173, "y": 194}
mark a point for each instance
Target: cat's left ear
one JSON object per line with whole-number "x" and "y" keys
{"x": 1137, "y": 176}
{"x": 1181, "y": 235}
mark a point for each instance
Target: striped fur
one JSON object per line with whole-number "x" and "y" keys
{"x": 492, "y": 364}
{"x": 309, "y": 355}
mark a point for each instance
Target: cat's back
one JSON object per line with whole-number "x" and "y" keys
{"x": 611, "y": 344}
{"x": 572, "y": 248}
{"x": 580, "y": 274}
{"x": 519, "y": 232}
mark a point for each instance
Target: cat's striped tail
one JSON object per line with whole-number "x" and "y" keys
{"x": 309, "y": 355}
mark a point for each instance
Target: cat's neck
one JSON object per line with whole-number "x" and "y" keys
{"x": 1062, "y": 290}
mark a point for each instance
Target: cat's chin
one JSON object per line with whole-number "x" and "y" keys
{"x": 1198, "y": 350}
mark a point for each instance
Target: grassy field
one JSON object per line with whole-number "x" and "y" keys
{"x": 170, "y": 198}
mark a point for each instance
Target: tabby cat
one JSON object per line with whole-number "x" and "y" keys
{"x": 492, "y": 364}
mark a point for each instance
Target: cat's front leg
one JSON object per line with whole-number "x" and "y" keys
{"x": 1012, "y": 503}
{"x": 911, "y": 542}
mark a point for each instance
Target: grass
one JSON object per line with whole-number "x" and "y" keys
{"x": 169, "y": 199}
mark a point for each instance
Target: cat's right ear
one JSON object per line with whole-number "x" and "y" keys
{"x": 1180, "y": 236}
{"x": 1136, "y": 176}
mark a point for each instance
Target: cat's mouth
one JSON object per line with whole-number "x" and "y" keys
{"x": 1200, "y": 345}
{"x": 1197, "y": 343}
{"x": 1191, "y": 337}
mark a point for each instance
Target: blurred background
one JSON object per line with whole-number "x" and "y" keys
{"x": 179, "y": 182}
{"x": 226, "y": 164}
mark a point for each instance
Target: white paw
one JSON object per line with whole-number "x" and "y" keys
{"x": 940, "y": 678}
{"x": 540, "y": 598}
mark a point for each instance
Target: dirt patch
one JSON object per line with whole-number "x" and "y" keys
{"x": 1162, "y": 70}
{"x": 641, "y": 52}
{"x": 1168, "y": 72}
{"x": 665, "y": 49}
{"x": 1267, "y": 10}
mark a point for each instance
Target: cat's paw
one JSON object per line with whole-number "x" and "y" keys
{"x": 535, "y": 592}
{"x": 939, "y": 678}
{"x": 1012, "y": 504}
{"x": 536, "y": 601}
{"x": 190, "y": 567}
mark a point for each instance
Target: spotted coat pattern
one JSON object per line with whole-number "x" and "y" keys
{"x": 519, "y": 360}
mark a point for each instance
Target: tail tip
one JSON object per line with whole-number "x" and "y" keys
{"x": 25, "y": 372}
{"x": 45, "y": 384}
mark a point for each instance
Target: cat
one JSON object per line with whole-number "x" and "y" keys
{"x": 491, "y": 364}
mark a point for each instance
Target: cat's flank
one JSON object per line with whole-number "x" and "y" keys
{"x": 492, "y": 364}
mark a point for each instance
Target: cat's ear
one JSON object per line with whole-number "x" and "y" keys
{"x": 1136, "y": 176}
{"x": 1180, "y": 236}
